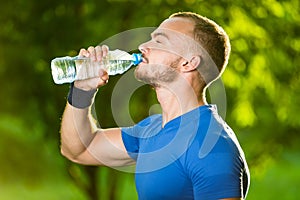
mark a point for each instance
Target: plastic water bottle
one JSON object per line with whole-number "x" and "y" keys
{"x": 68, "y": 69}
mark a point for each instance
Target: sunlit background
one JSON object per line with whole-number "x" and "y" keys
{"x": 262, "y": 88}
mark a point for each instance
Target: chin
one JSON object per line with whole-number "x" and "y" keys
{"x": 142, "y": 75}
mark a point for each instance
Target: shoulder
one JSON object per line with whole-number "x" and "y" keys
{"x": 137, "y": 130}
{"x": 215, "y": 146}
{"x": 150, "y": 120}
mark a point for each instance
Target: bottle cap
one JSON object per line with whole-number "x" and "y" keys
{"x": 137, "y": 58}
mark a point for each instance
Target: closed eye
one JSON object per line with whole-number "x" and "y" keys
{"x": 159, "y": 37}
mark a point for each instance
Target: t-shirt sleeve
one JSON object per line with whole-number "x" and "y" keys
{"x": 131, "y": 141}
{"x": 220, "y": 178}
{"x": 134, "y": 135}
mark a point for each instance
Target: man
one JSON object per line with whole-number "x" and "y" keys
{"x": 187, "y": 152}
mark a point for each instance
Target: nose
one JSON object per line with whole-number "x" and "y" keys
{"x": 144, "y": 48}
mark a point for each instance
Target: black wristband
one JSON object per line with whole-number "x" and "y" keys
{"x": 80, "y": 98}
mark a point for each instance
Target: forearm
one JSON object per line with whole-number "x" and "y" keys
{"x": 78, "y": 126}
{"x": 77, "y": 130}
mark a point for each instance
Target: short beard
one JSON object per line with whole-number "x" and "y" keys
{"x": 156, "y": 75}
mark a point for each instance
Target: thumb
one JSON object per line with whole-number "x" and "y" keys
{"x": 103, "y": 75}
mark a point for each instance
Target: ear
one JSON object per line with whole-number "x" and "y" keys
{"x": 191, "y": 65}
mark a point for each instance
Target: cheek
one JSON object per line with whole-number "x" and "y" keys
{"x": 163, "y": 49}
{"x": 161, "y": 58}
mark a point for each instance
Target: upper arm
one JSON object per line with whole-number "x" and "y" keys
{"x": 107, "y": 148}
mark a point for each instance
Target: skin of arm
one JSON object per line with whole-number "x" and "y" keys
{"x": 82, "y": 142}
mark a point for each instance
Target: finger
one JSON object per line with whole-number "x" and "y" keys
{"x": 99, "y": 54}
{"x": 105, "y": 50}
{"x": 102, "y": 82}
{"x": 83, "y": 53}
{"x": 92, "y": 52}
{"x": 103, "y": 75}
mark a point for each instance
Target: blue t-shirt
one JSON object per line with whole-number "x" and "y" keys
{"x": 194, "y": 156}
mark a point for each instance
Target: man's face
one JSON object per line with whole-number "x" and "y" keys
{"x": 170, "y": 43}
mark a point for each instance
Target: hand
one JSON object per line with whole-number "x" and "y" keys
{"x": 95, "y": 54}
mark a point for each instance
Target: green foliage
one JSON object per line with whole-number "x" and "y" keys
{"x": 262, "y": 88}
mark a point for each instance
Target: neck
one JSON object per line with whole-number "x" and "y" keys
{"x": 177, "y": 103}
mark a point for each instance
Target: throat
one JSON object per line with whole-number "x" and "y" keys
{"x": 174, "y": 106}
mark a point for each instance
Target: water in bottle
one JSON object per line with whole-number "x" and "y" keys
{"x": 68, "y": 69}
